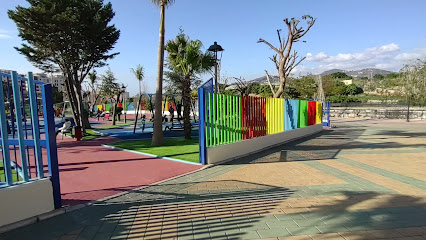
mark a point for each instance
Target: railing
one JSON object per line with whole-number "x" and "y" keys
{"x": 28, "y": 138}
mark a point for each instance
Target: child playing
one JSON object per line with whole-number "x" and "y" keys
{"x": 143, "y": 123}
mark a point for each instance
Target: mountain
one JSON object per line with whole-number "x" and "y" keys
{"x": 262, "y": 80}
{"x": 366, "y": 72}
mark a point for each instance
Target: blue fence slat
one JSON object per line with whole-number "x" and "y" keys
{"x": 291, "y": 114}
{"x": 22, "y": 148}
{"x": 4, "y": 138}
{"x": 51, "y": 148}
{"x": 35, "y": 124}
{"x": 28, "y": 142}
{"x": 202, "y": 127}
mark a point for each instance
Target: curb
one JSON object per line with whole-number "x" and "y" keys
{"x": 148, "y": 154}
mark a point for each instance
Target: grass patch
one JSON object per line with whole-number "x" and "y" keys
{"x": 3, "y": 178}
{"x": 178, "y": 148}
{"x": 91, "y": 134}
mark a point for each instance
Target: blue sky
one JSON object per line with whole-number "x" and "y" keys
{"x": 347, "y": 34}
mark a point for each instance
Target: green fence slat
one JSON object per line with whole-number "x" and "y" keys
{"x": 219, "y": 122}
{"x": 229, "y": 119}
{"x": 214, "y": 119}
{"x": 240, "y": 132}
{"x": 222, "y": 122}
{"x": 225, "y": 118}
{"x": 234, "y": 120}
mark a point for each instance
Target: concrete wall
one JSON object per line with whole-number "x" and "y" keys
{"x": 377, "y": 113}
{"x": 231, "y": 151}
{"x": 25, "y": 200}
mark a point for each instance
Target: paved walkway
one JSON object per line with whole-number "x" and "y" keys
{"x": 361, "y": 180}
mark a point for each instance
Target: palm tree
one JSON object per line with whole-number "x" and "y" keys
{"x": 184, "y": 56}
{"x": 94, "y": 95}
{"x": 139, "y": 73}
{"x": 157, "y": 137}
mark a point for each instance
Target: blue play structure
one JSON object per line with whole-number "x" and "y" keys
{"x": 27, "y": 130}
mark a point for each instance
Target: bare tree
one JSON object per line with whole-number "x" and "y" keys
{"x": 242, "y": 86}
{"x": 413, "y": 80}
{"x": 320, "y": 90}
{"x": 285, "y": 60}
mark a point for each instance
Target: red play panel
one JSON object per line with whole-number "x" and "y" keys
{"x": 312, "y": 112}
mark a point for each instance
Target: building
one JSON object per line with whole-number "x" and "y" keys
{"x": 347, "y": 81}
{"x": 22, "y": 83}
{"x": 57, "y": 80}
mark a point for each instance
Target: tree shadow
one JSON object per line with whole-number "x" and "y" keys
{"x": 363, "y": 211}
{"x": 321, "y": 146}
{"x": 167, "y": 214}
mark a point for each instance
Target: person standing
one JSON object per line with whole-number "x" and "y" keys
{"x": 143, "y": 123}
{"x": 172, "y": 113}
{"x": 179, "y": 111}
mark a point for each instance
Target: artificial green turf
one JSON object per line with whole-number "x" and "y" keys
{"x": 177, "y": 148}
{"x": 14, "y": 177}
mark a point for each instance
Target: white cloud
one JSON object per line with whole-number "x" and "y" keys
{"x": 383, "y": 57}
{"x": 415, "y": 54}
{"x": 320, "y": 56}
{"x": 4, "y": 34}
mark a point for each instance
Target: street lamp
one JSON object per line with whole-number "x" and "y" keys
{"x": 123, "y": 90}
{"x": 215, "y": 48}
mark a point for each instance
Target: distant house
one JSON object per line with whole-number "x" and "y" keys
{"x": 347, "y": 82}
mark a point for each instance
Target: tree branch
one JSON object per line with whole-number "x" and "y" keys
{"x": 310, "y": 24}
{"x": 270, "y": 45}
{"x": 269, "y": 81}
{"x": 274, "y": 59}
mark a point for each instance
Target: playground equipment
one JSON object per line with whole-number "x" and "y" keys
{"x": 23, "y": 98}
{"x": 175, "y": 100}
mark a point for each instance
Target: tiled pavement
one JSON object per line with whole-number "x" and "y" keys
{"x": 362, "y": 180}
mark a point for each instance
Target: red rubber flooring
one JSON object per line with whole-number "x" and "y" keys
{"x": 89, "y": 171}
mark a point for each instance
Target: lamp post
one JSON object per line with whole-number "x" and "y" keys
{"x": 215, "y": 48}
{"x": 123, "y": 90}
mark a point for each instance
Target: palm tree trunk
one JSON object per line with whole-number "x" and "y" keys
{"x": 140, "y": 90}
{"x": 157, "y": 137}
{"x": 186, "y": 95}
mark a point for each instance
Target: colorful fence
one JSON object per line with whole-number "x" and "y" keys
{"x": 231, "y": 119}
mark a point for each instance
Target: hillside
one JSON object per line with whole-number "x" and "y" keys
{"x": 366, "y": 72}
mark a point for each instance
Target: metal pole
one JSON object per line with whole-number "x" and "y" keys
{"x": 124, "y": 106}
{"x": 215, "y": 75}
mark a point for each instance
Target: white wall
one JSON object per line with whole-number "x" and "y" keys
{"x": 25, "y": 200}
{"x": 231, "y": 151}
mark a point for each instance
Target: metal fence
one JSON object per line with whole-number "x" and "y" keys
{"x": 28, "y": 137}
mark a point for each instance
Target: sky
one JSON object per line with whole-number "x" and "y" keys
{"x": 347, "y": 35}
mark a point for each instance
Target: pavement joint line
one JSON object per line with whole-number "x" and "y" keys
{"x": 148, "y": 154}
{"x": 386, "y": 173}
{"x": 380, "y": 179}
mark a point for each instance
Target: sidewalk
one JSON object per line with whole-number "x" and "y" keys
{"x": 361, "y": 180}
